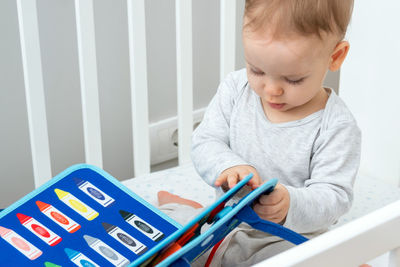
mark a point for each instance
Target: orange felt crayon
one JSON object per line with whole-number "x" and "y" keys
{"x": 58, "y": 217}
{"x": 41, "y": 231}
{"x": 18, "y": 242}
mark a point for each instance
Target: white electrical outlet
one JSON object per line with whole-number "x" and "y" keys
{"x": 162, "y": 138}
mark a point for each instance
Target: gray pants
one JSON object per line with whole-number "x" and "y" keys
{"x": 244, "y": 246}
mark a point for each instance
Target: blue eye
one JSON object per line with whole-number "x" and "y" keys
{"x": 299, "y": 81}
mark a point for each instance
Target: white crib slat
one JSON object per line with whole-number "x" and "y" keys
{"x": 184, "y": 68}
{"x": 227, "y": 37}
{"x": 88, "y": 79}
{"x": 138, "y": 75}
{"x": 33, "y": 76}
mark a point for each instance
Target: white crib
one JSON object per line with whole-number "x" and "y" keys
{"x": 360, "y": 236}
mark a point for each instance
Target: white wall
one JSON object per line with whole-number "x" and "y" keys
{"x": 370, "y": 86}
{"x": 61, "y": 81}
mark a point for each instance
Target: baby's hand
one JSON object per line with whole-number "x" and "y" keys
{"x": 275, "y": 206}
{"x": 231, "y": 176}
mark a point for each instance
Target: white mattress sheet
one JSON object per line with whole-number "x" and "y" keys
{"x": 369, "y": 194}
{"x": 182, "y": 180}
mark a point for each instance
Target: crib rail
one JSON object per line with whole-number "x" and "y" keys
{"x": 88, "y": 80}
{"x": 138, "y": 76}
{"x": 34, "y": 91}
{"x": 228, "y": 37}
{"x": 30, "y": 46}
{"x": 184, "y": 68}
{"x": 351, "y": 244}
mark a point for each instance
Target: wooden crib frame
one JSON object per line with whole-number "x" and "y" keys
{"x": 351, "y": 244}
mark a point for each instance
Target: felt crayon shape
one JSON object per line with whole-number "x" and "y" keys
{"x": 125, "y": 239}
{"x": 106, "y": 251}
{"x": 81, "y": 208}
{"x": 50, "y": 264}
{"x": 141, "y": 225}
{"x": 58, "y": 217}
{"x": 41, "y": 231}
{"x": 94, "y": 192}
{"x": 79, "y": 258}
{"x": 18, "y": 242}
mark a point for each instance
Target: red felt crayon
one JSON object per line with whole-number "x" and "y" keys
{"x": 41, "y": 231}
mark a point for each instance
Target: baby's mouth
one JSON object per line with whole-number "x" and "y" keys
{"x": 276, "y": 105}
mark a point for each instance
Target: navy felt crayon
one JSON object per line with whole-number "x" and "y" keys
{"x": 141, "y": 225}
{"x": 125, "y": 239}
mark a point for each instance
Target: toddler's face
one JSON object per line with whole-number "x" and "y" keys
{"x": 286, "y": 73}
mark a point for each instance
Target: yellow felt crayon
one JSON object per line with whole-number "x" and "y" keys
{"x": 77, "y": 205}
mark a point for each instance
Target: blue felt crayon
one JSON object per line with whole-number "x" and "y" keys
{"x": 79, "y": 259}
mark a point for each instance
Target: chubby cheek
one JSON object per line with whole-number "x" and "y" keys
{"x": 255, "y": 84}
{"x": 302, "y": 94}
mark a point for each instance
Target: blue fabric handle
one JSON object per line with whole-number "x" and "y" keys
{"x": 181, "y": 262}
{"x": 248, "y": 215}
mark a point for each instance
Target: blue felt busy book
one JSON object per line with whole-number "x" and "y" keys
{"x": 85, "y": 217}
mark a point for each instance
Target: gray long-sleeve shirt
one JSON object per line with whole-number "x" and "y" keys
{"x": 316, "y": 157}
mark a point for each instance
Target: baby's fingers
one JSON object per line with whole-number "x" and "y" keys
{"x": 221, "y": 179}
{"x": 232, "y": 179}
{"x": 255, "y": 181}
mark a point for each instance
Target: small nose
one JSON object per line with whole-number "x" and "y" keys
{"x": 273, "y": 89}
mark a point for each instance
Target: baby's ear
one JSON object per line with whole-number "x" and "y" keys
{"x": 338, "y": 55}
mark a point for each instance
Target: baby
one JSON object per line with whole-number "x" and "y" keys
{"x": 276, "y": 120}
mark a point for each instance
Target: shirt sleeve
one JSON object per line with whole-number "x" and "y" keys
{"x": 328, "y": 193}
{"x": 211, "y": 153}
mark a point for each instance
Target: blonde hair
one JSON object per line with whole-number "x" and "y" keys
{"x": 305, "y": 17}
